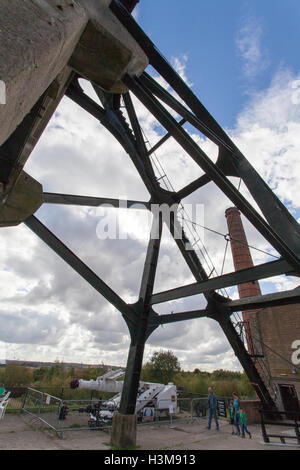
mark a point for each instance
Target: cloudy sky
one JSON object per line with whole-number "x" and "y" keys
{"x": 241, "y": 60}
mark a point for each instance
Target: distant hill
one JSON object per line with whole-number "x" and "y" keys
{"x": 78, "y": 365}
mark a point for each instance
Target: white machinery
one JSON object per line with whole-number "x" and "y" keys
{"x": 154, "y": 400}
{"x": 3, "y": 404}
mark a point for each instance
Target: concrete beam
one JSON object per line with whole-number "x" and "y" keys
{"x": 39, "y": 38}
{"x": 26, "y": 198}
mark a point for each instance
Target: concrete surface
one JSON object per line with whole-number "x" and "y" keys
{"x": 17, "y": 434}
{"x": 124, "y": 430}
{"x": 22, "y": 202}
{"x": 38, "y": 38}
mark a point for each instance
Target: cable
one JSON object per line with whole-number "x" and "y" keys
{"x": 227, "y": 241}
{"x": 164, "y": 177}
{"x": 272, "y": 350}
{"x": 228, "y": 236}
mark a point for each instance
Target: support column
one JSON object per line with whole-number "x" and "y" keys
{"x": 124, "y": 422}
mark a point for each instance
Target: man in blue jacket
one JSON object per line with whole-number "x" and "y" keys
{"x": 212, "y": 408}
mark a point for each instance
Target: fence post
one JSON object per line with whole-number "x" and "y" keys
{"x": 192, "y": 408}
{"x": 297, "y": 429}
{"x": 24, "y": 400}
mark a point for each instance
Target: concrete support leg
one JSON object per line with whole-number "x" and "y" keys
{"x": 124, "y": 431}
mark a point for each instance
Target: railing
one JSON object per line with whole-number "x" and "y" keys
{"x": 61, "y": 415}
{"x": 62, "y": 392}
{"x": 48, "y": 411}
{"x": 267, "y": 418}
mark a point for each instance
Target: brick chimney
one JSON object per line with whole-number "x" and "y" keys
{"x": 242, "y": 259}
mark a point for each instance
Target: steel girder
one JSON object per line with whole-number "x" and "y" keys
{"x": 277, "y": 226}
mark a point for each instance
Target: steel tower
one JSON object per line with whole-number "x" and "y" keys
{"x": 102, "y": 43}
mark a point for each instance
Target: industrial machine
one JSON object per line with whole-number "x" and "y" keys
{"x": 154, "y": 400}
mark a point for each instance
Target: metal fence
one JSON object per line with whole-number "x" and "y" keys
{"x": 47, "y": 411}
{"x": 64, "y": 393}
{"x": 41, "y": 407}
{"x": 59, "y": 414}
{"x": 289, "y": 421}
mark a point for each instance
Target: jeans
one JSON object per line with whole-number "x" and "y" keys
{"x": 237, "y": 422}
{"x": 212, "y": 414}
{"x": 244, "y": 428}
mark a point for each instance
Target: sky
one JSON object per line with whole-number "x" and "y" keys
{"x": 241, "y": 59}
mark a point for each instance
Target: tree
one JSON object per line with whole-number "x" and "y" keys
{"x": 164, "y": 365}
{"x": 40, "y": 374}
{"x": 16, "y": 375}
{"x": 147, "y": 373}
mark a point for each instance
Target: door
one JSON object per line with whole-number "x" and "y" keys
{"x": 289, "y": 400}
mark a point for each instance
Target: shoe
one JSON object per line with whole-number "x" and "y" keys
{"x": 217, "y": 429}
{"x": 243, "y": 437}
{"x": 250, "y": 436}
{"x": 208, "y": 428}
{"x": 233, "y": 433}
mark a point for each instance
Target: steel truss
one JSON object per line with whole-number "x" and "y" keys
{"x": 277, "y": 225}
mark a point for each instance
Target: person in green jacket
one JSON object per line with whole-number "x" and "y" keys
{"x": 243, "y": 423}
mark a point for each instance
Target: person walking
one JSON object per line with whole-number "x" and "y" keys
{"x": 236, "y": 419}
{"x": 212, "y": 408}
{"x": 243, "y": 421}
{"x": 231, "y": 416}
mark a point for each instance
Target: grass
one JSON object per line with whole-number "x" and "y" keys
{"x": 113, "y": 447}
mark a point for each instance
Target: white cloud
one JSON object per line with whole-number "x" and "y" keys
{"x": 268, "y": 132}
{"x": 179, "y": 64}
{"x": 136, "y": 12}
{"x": 250, "y": 49}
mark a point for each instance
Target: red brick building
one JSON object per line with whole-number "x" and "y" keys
{"x": 270, "y": 332}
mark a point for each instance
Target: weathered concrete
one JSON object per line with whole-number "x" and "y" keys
{"x": 22, "y": 202}
{"x": 36, "y": 42}
{"x": 12, "y": 151}
{"x": 100, "y": 57}
{"x": 38, "y": 39}
{"x": 124, "y": 431}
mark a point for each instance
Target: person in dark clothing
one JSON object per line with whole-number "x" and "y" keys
{"x": 212, "y": 408}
